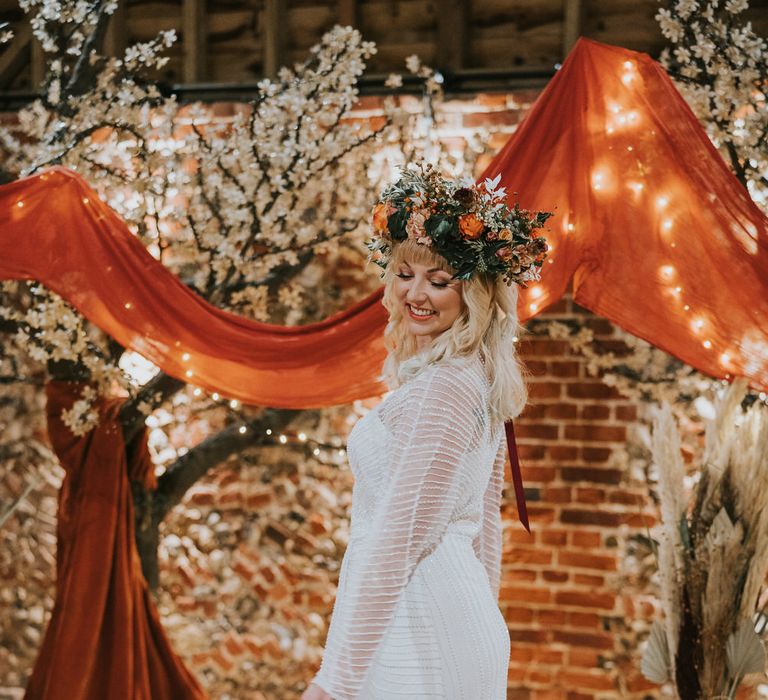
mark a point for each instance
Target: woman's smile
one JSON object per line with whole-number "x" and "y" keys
{"x": 418, "y": 313}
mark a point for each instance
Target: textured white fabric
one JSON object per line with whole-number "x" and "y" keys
{"x": 416, "y": 613}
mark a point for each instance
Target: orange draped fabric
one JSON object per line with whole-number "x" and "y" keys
{"x": 651, "y": 225}
{"x": 655, "y": 232}
{"x": 104, "y": 639}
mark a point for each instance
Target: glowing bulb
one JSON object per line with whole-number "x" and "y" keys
{"x": 189, "y": 373}
{"x": 667, "y": 270}
{"x": 316, "y": 452}
{"x": 85, "y": 200}
{"x": 341, "y": 453}
{"x": 707, "y": 343}
{"x": 628, "y": 65}
{"x": 185, "y": 356}
{"x": 128, "y": 305}
{"x": 215, "y": 396}
{"x": 234, "y": 403}
{"x": 283, "y": 439}
{"x": 678, "y": 290}
{"x": 197, "y": 392}
{"x": 636, "y": 187}
{"x": 241, "y": 429}
{"x": 667, "y": 224}
{"x": 571, "y": 227}
{"x": 269, "y": 431}
{"x": 533, "y": 307}
{"x": 19, "y": 204}
{"x": 303, "y": 437}
{"x": 686, "y": 307}
{"x": 615, "y": 108}
{"x": 661, "y": 202}
{"x": 536, "y": 292}
{"x": 725, "y": 358}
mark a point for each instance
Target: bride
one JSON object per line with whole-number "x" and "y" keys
{"x": 416, "y": 612}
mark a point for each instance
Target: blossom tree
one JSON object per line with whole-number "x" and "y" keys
{"x": 237, "y": 206}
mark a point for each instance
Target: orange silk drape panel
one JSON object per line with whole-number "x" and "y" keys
{"x": 104, "y": 639}
{"x": 651, "y": 225}
{"x": 55, "y": 229}
{"x": 649, "y": 221}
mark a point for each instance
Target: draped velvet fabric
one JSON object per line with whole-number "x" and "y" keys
{"x": 104, "y": 639}
{"x": 650, "y": 224}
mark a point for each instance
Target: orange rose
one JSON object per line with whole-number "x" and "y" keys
{"x": 381, "y": 213}
{"x": 470, "y": 226}
{"x": 505, "y": 234}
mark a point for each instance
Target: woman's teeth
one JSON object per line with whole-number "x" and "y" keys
{"x": 420, "y": 312}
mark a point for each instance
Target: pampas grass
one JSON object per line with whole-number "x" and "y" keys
{"x": 712, "y": 551}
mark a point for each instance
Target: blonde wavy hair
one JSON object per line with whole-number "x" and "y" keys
{"x": 487, "y": 322}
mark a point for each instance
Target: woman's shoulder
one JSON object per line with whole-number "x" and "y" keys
{"x": 459, "y": 378}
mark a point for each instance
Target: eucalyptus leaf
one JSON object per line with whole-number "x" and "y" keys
{"x": 655, "y": 665}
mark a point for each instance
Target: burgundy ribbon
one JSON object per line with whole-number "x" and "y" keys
{"x": 517, "y": 477}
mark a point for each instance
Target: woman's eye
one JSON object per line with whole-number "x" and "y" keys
{"x": 403, "y": 276}
{"x": 440, "y": 284}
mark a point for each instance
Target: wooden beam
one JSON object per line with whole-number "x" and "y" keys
{"x": 347, "y": 13}
{"x": 194, "y": 36}
{"x": 573, "y": 23}
{"x": 275, "y": 34}
{"x": 452, "y": 34}
{"x": 15, "y": 55}
{"x": 116, "y": 38}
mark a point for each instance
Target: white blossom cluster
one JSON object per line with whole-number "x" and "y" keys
{"x": 720, "y": 64}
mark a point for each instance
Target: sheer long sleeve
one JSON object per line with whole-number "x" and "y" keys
{"x": 487, "y": 544}
{"x": 442, "y": 418}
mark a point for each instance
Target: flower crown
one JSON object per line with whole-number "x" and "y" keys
{"x": 468, "y": 224}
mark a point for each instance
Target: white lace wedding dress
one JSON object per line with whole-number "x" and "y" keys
{"x": 416, "y": 613}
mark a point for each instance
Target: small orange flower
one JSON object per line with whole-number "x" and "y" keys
{"x": 381, "y": 213}
{"x": 505, "y": 234}
{"x": 470, "y": 226}
{"x": 504, "y": 253}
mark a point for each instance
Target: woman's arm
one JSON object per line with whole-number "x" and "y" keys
{"x": 443, "y": 418}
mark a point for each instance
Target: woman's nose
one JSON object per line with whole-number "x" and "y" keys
{"x": 416, "y": 291}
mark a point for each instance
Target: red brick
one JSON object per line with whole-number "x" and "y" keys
{"x": 518, "y": 555}
{"x": 564, "y": 369}
{"x": 518, "y": 615}
{"x": 628, "y": 498}
{"x": 539, "y": 676}
{"x": 584, "y": 619}
{"x": 628, "y": 413}
{"x": 583, "y": 560}
{"x": 591, "y": 517}
{"x": 541, "y": 347}
{"x": 537, "y": 367}
{"x": 586, "y": 658}
{"x": 555, "y": 576}
{"x": 523, "y": 575}
{"x": 597, "y": 411}
{"x": 531, "y": 636}
{"x": 600, "y": 680}
{"x": 545, "y": 390}
{"x": 537, "y": 431}
{"x": 551, "y": 617}
{"x": 518, "y": 693}
{"x": 589, "y": 580}
{"x": 586, "y": 539}
{"x": 579, "y": 696}
{"x": 596, "y": 433}
{"x": 535, "y": 410}
{"x": 528, "y": 594}
{"x": 562, "y": 452}
{"x": 599, "y": 326}
{"x": 593, "y": 475}
{"x": 591, "y": 390}
{"x": 561, "y": 410}
{"x": 507, "y": 117}
{"x": 538, "y": 475}
{"x": 591, "y": 496}
{"x": 596, "y": 454}
{"x": 529, "y": 452}
{"x": 554, "y": 536}
{"x": 586, "y": 599}
{"x": 556, "y": 495}
{"x": 582, "y": 639}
